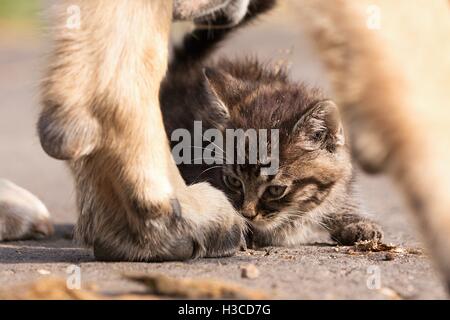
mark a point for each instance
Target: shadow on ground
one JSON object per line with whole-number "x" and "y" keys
{"x": 58, "y": 248}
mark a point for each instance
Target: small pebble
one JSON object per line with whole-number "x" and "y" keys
{"x": 44, "y": 272}
{"x": 249, "y": 271}
{"x": 389, "y": 256}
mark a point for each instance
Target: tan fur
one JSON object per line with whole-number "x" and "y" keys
{"x": 235, "y": 10}
{"x": 187, "y": 10}
{"x": 101, "y": 113}
{"x": 392, "y": 85}
{"x": 22, "y": 214}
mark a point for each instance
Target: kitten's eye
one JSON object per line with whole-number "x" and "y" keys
{"x": 232, "y": 182}
{"x": 319, "y": 135}
{"x": 274, "y": 192}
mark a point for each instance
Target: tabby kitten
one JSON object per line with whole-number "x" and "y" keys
{"x": 313, "y": 187}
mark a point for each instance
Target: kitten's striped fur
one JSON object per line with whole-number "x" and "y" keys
{"x": 316, "y": 169}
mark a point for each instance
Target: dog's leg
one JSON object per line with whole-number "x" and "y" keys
{"x": 391, "y": 131}
{"x": 101, "y": 96}
{"x": 101, "y": 112}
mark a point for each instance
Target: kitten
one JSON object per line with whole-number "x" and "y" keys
{"x": 313, "y": 187}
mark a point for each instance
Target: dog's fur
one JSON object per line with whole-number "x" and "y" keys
{"x": 101, "y": 113}
{"x": 392, "y": 85}
{"x": 22, "y": 214}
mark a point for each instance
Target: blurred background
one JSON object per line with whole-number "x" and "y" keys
{"x": 22, "y": 55}
{"x": 19, "y": 11}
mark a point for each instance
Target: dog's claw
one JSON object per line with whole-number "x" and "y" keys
{"x": 243, "y": 245}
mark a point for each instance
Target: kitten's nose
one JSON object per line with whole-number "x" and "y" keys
{"x": 248, "y": 210}
{"x": 249, "y": 214}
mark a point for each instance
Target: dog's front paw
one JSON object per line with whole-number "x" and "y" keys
{"x": 218, "y": 227}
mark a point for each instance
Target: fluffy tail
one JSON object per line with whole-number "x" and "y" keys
{"x": 199, "y": 44}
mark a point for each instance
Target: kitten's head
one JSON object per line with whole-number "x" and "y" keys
{"x": 314, "y": 164}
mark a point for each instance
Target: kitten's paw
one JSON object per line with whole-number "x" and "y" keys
{"x": 22, "y": 215}
{"x": 359, "y": 231}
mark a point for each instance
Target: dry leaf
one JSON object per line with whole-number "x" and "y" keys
{"x": 162, "y": 285}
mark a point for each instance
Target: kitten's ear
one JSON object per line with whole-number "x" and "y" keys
{"x": 224, "y": 88}
{"x": 320, "y": 127}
